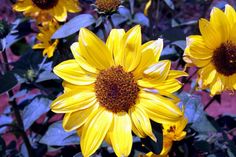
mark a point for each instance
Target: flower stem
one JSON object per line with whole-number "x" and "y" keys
{"x": 111, "y": 22}
{"x": 13, "y": 103}
{"x": 209, "y": 103}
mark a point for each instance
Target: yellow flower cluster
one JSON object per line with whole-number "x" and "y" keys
{"x": 47, "y": 13}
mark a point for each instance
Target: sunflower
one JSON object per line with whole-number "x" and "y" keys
{"x": 171, "y": 132}
{"x": 214, "y": 51}
{"x": 44, "y": 10}
{"x": 107, "y": 89}
{"x": 107, "y": 6}
{"x": 46, "y": 31}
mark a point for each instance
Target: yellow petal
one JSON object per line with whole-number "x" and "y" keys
{"x": 233, "y": 80}
{"x": 70, "y": 71}
{"x": 132, "y": 43}
{"x": 156, "y": 46}
{"x": 176, "y": 74}
{"x": 147, "y": 6}
{"x": 114, "y": 44}
{"x": 158, "y": 108}
{"x": 150, "y": 53}
{"x": 81, "y": 61}
{"x": 51, "y": 49}
{"x": 72, "y": 6}
{"x": 197, "y": 48}
{"x": 211, "y": 37}
{"x": 193, "y": 61}
{"x": 121, "y": 135}
{"x": 68, "y": 86}
{"x": 77, "y": 99}
{"x": 170, "y": 85}
{"x": 232, "y": 36}
{"x": 230, "y": 14}
{"x": 39, "y": 46}
{"x": 60, "y": 12}
{"x": 74, "y": 120}
{"x": 23, "y": 5}
{"x": 208, "y": 73}
{"x": 141, "y": 121}
{"x": 95, "y": 130}
{"x": 94, "y": 50}
{"x": 217, "y": 85}
{"x": 220, "y": 22}
{"x": 158, "y": 71}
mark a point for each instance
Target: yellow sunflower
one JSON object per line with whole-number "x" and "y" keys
{"x": 171, "y": 132}
{"x": 46, "y": 31}
{"x": 214, "y": 51}
{"x": 107, "y": 89}
{"x": 44, "y": 10}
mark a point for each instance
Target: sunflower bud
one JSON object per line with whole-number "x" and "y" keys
{"x": 4, "y": 29}
{"x": 30, "y": 75}
{"x": 107, "y": 6}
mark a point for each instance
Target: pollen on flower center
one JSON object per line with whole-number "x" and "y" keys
{"x": 116, "y": 89}
{"x": 224, "y": 59}
{"x": 45, "y": 4}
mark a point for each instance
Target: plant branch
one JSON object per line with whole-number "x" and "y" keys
{"x": 19, "y": 120}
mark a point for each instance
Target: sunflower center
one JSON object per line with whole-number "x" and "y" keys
{"x": 45, "y": 4}
{"x": 224, "y": 59}
{"x": 116, "y": 89}
{"x": 107, "y": 5}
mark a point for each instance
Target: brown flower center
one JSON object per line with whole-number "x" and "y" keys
{"x": 224, "y": 59}
{"x": 45, "y": 4}
{"x": 107, "y": 5}
{"x": 116, "y": 89}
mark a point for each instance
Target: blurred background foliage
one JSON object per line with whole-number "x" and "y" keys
{"x": 27, "y": 84}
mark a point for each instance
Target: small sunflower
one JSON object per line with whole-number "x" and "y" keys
{"x": 108, "y": 89}
{"x": 171, "y": 132}
{"x": 214, "y": 51}
{"x": 44, "y": 10}
{"x": 46, "y": 31}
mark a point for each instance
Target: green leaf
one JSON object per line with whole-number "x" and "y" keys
{"x": 140, "y": 18}
{"x": 2, "y": 147}
{"x": 8, "y": 81}
{"x": 4, "y": 119}
{"x": 34, "y": 110}
{"x": 195, "y": 113}
{"x": 21, "y": 47}
{"x": 203, "y": 146}
{"x": 56, "y": 136}
{"x": 170, "y": 4}
{"x": 74, "y": 25}
{"x": 155, "y": 147}
{"x": 118, "y": 19}
{"x": 21, "y": 28}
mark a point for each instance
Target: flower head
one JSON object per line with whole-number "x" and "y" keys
{"x": 107, "y": 89}
{"x": 107, "y": 6}
{"x": 46, "y": 31}
{"x": 45, "y": 10}
{"x": 214, "y": 51}
{"x": 171, "y": 132}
